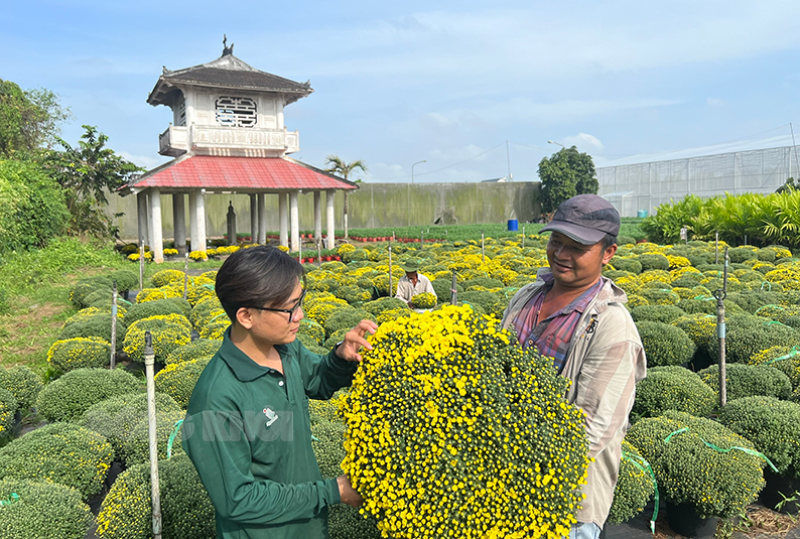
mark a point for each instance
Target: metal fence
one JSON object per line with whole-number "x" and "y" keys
{"x": 642, "y": 187}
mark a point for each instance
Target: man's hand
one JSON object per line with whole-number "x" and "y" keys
{"x": 355, "y": 339}
{"x": 346, "y": 492}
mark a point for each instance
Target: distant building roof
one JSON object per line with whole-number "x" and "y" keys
{"x": 239, "y": 174}
{"x": 228, "y": 72}
{"x": 496, "y": 180}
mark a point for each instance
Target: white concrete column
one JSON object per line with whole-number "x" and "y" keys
{"x": 317, "y": 216}
{"x": 253, "y": 219}
{"x": 262, "y": 219}
{"x": 141, "y": 210}
{"x": 150, "y": 239}
{"x": 295, "y": 220}
{"x": 284, "y": 219}
{"x": 193, "y": 219}
{"x": 329, "y": 195}
{"x": 157, "y": 246}
{"x": 201, "y": 220}
{"x": 179, "y": 222}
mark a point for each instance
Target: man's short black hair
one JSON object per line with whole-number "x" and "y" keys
{"x": 608, "y": 240}
{"x": 259, "y": 276}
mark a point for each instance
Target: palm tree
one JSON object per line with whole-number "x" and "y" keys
{"x": 336, "y": 165}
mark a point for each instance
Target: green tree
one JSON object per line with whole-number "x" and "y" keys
{"x": 86, "y": 173}
{"x": 29, "y": 119}
{"x": 790, "y": 185}
{"x": 565, "y": 174}
{"x": 336, "y": 165}
{"x": 32, "y": 208}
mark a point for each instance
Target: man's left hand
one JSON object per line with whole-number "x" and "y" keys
{"x": 355, "y": 339}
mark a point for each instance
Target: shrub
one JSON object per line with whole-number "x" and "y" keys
{"x": 665, "y": 344}
{"x": 653, "y": 262}
{"x": 22, "y": 383}
{"x": 8, "y": 409}
{"x": 312, "y": 330}
{"x": 161, "y": 307}
{"x": 62, "y": 453}
{"x": 687, "y": 280}
{"x": 98, "y": 326}
{"x": 85, "y": 287}
{"x": 117, "y": 417}
{"x": 485, "y": 300}
{"x": 43, "y": 511}
{"x": 345, "y": 319}
{"x": 32, "y": 207}
{"x": 68, "y": 397}
{"x": 717, "y": 484}
{"x": 748, "y": 335}
{"x": 165, "y": 277}
{"x": 706, "y": 305}
{"x": 772, "y": 425}
{"x": 380, "y": 305}
{"x": 168, "y": 333}
{"x": 195, "y": 350}
{"x": 78, "y": 353}
{"x": 438, "y": 356}
{"x": 353, "y": 293}
{"x": 425, "y": 300}
{"x": 483, "y": 282}
{"x": 627, "y": 264}
{"x": 738, "y": 255}
{"x": 656, "y": 313}
{"x": 660, "y": 296}
{"x": 336, "y": 336}
{"x": 215, "y": 330}
{"x": 749, "y": 381}
{"x": 178, "y": 379}
{"x": 153, "y": 294}
{"x": 782, "y": 358}
{"x": 186, "y": 509}
{"x": 672, "y": 388}
{"x": 126, "y": 280}
{"x": 634, "y": 486}
{"x": 442, "y": 288}
{"x": 752, "y": 300}
{"x": 137, "y": 444}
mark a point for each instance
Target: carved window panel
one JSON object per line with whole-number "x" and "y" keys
{"x": 236, "y": 111}
{"x": 180, "y": 113}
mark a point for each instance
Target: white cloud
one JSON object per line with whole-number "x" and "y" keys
{"x": 714, "y": 102}
{"x": 584, "y": 142}
{"x": 146, "y": 161}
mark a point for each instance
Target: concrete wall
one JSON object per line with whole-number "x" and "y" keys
{"x": 372, "y": 206}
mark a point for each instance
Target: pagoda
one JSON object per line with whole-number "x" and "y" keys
{"x": 227, "y": 135}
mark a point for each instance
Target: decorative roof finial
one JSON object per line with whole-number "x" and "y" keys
{"x": 226, "y": 50}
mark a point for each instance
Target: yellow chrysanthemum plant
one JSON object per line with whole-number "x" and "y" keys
{"x": 425, "y": 300}
{"x": 454, "y": 431}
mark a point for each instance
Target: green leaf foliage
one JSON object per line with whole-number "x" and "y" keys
{"x": 772, "y": 425}
{"x": 656, "y": 313}
{"x": 44, "y": 511}
{"x": 178, "y": 379}
{"x": 346, "y": 319}
{"x": 67, "y": 398}
{"x": 665, "y": 344}
{"x": 119, "y": 418}
{"x": 61, "y": 453}
{"x": 672, "y": 388}
{"x": 22, "y": 383}
{"x": 32, "y": 208}
{"x": 137, "y": 311}
{"x": 200, "y": 348}
{"x": 186, "y": 509}
{"x": 565, "y": 174}
{"x": 717, "y": 484}
{"x": 749, "y": 381}
{"x": 98, "y": 325}
{"x": 8, "y": 408}
{"x": 634, "y": 487}
{"x": 747, "y": 335}
{"x": 78, "y": 353}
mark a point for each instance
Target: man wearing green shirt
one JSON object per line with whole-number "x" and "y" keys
{"x": 247, "y": 429}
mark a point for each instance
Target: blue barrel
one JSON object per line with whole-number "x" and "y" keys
{"x": 513, "y": 225}
{"x": 641, "y": 213}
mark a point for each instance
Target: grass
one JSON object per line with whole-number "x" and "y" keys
{"x": 37, "y": 284}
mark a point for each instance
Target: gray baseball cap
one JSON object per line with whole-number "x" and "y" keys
{"x": 585, "y": 218}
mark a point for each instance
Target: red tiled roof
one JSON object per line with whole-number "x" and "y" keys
{"x": 243, "y": 173}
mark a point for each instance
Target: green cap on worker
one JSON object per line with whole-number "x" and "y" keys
{"x": 410, "y": 266}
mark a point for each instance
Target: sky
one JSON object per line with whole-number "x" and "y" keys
{"x": 474, "y": 89}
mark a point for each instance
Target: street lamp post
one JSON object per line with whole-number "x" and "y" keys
{"x": 558, "y": 143}
{"x": 408, "y": 197}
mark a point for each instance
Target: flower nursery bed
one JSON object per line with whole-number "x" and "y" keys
{"x": 670, "y": 296}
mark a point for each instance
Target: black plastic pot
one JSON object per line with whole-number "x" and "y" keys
{"x": 684, "y": 520}
{"x": 778, "y": 488}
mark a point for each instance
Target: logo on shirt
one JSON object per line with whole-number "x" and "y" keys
{"x": 272, "y": 417}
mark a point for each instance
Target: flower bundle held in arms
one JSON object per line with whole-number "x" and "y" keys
{"x": 454, "y": 431}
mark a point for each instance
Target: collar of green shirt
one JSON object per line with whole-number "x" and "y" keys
{"x": 244, "y": 368}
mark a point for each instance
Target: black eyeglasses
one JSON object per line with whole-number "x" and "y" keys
{"x": 291, "y": 311}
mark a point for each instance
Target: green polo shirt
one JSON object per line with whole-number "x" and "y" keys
{"x": 248, "y": 433}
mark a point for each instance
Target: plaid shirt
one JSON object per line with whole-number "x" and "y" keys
{"x": 552, "y": 336}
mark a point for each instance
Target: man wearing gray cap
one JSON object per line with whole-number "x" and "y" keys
{"x": 576, "y": 316}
